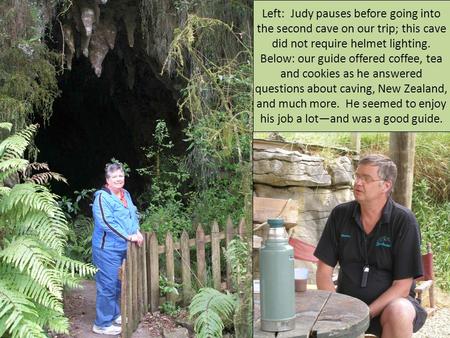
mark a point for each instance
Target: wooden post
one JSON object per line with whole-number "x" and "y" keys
{"x": 356, "y": 142}
{"x": 123, "y": 299}
{"x": 402, "y": 151}
{"x": 129, "y": 291}
{"x": 140, "y": 291}
{"x": 229, "y": 233}
{"x": 134, "y": 285}
{"x": 215, "y": 255}
{"x": 148, "y": 252}
{"x": 170, "y": 266}
{"x": 186, "y": 267}
{"x": 144, "y": 295}
{"x": 154, "y": 273}
{"x": 242, "y": 231}
{"x": 201, "y": 267}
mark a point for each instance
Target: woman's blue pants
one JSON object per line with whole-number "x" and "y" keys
{"x": 107, "y": 304}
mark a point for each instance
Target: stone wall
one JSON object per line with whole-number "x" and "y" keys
{"x": 316, "y": 184}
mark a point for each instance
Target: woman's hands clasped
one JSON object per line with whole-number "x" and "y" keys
{"x": 137, "y": 238}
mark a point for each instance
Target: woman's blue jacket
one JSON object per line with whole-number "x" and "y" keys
{"x": 113, "y": 222}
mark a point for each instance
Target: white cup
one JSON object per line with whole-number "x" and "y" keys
{"x": 301, "y": 273}
{"x": 301, "y": 279}
{"x": 256, "y": 286}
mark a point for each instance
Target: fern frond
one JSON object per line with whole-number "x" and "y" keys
{"x": 26, "y": 254}
{"x": 210, "y": 308}
{"x": 11, "y": 166}
{"x": 236, "y": 255}
{"x": 14, "y": 146}
{"x": 208, "y": 325}
{"x": 28, "y": 329}
{"x": 29, "y": 196}
{"x": 43, "y": 178}
{"x": 71, "y": 266}
{"x": 38, "y": 166}
{"x": 47, "y": 229}
{"x": 55, "y": 321}
{"x": 35, "y": 292}
{"x": 13, "y": 307}
{"x": 71, "y": 282}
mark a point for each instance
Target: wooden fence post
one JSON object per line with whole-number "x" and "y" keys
{"x": 242, "y": 230}
{"x": 123, "y": 299}
{"x": 215, "y": 255}
{"x": 139, "y": 285}
{"x": 186, "y": 267}
{"x": 170, "y": 266}
{"x": 135, "y": 286}
{"x": 201, "y": 266}
{"x": 144, "y": 296}
{"x": 229, "y": 233}
{"x": 129, "y": 291}
{"x": 154, "y": 273}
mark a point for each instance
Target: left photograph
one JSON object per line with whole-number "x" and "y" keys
{"x": 125, "y": 169}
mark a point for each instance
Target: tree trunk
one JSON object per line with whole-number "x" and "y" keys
{"x": 356, "y": 142}
{"x": 402, "y": 151}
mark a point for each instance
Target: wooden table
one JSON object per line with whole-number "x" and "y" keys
{"x": 321, "y": 314}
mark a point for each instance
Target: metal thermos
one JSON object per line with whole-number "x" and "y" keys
{"x": 277, "y": 287}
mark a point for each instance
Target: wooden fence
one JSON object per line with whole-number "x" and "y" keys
{"x": 140, "y": 270}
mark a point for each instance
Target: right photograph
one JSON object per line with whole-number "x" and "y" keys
{"x": 351, "y": 234}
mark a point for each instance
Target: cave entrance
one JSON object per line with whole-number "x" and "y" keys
{"x": 98, "y": 118}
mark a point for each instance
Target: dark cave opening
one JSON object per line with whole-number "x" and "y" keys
{"x": 96, "y": 119}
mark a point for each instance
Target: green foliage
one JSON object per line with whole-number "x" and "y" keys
{"x": 434, "y": 221}
{"x": 167, "y": 287}
{"x": 237, "y": 255}
{"x": 125, "y": 166}
{"x": 218, "y": 98}
{"x": 81, "y": 227}
{"x": 33, "y": 269}
{"x": 210, "y": 309}
{"x": 28, "y": 83}
{"x": 165, "y": 210}
{"x": 169, "y": 308}
{"x": 433, "y": 164}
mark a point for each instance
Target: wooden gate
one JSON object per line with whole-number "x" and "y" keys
{"x": 140, "y": 270}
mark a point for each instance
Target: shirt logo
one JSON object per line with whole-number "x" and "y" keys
{"x": 345, "y": 236}
{"x": 383, "y": 241}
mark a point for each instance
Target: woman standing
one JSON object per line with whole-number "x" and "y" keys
{"x": 115, "y": 224}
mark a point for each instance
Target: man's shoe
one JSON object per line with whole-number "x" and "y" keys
{"x": 111, "y": 330}
{"x": 118, "y": 320}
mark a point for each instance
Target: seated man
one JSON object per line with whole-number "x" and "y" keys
{"x": 377, "y": 244}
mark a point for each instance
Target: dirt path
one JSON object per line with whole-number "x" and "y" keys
{"x": 79, "y": 307}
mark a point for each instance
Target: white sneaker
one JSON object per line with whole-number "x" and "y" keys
{"x": 111, "y": 330}
{"x": 118, "y": 320}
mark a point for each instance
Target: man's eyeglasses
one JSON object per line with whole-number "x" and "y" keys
{"x": 366, "y": 179}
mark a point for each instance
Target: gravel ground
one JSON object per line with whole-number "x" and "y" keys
{"x": 438, "y": 324}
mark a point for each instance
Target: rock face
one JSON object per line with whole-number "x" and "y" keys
{"x": 278, "y": 167}
{"x": 316, "y": 184}
{"x": 89, "y": 27}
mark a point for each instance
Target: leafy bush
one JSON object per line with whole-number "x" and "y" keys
{"x": 434, "y": 223}
{"x": 433, "y": 164}
{"x": 165, "y": 210}
{"x": 81, "y": 227}
{"x": 237, "y": 255}
{"x": 28, "y": 83}
{"x": 167, "y": 287}
{"x": 33, "y": 269}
